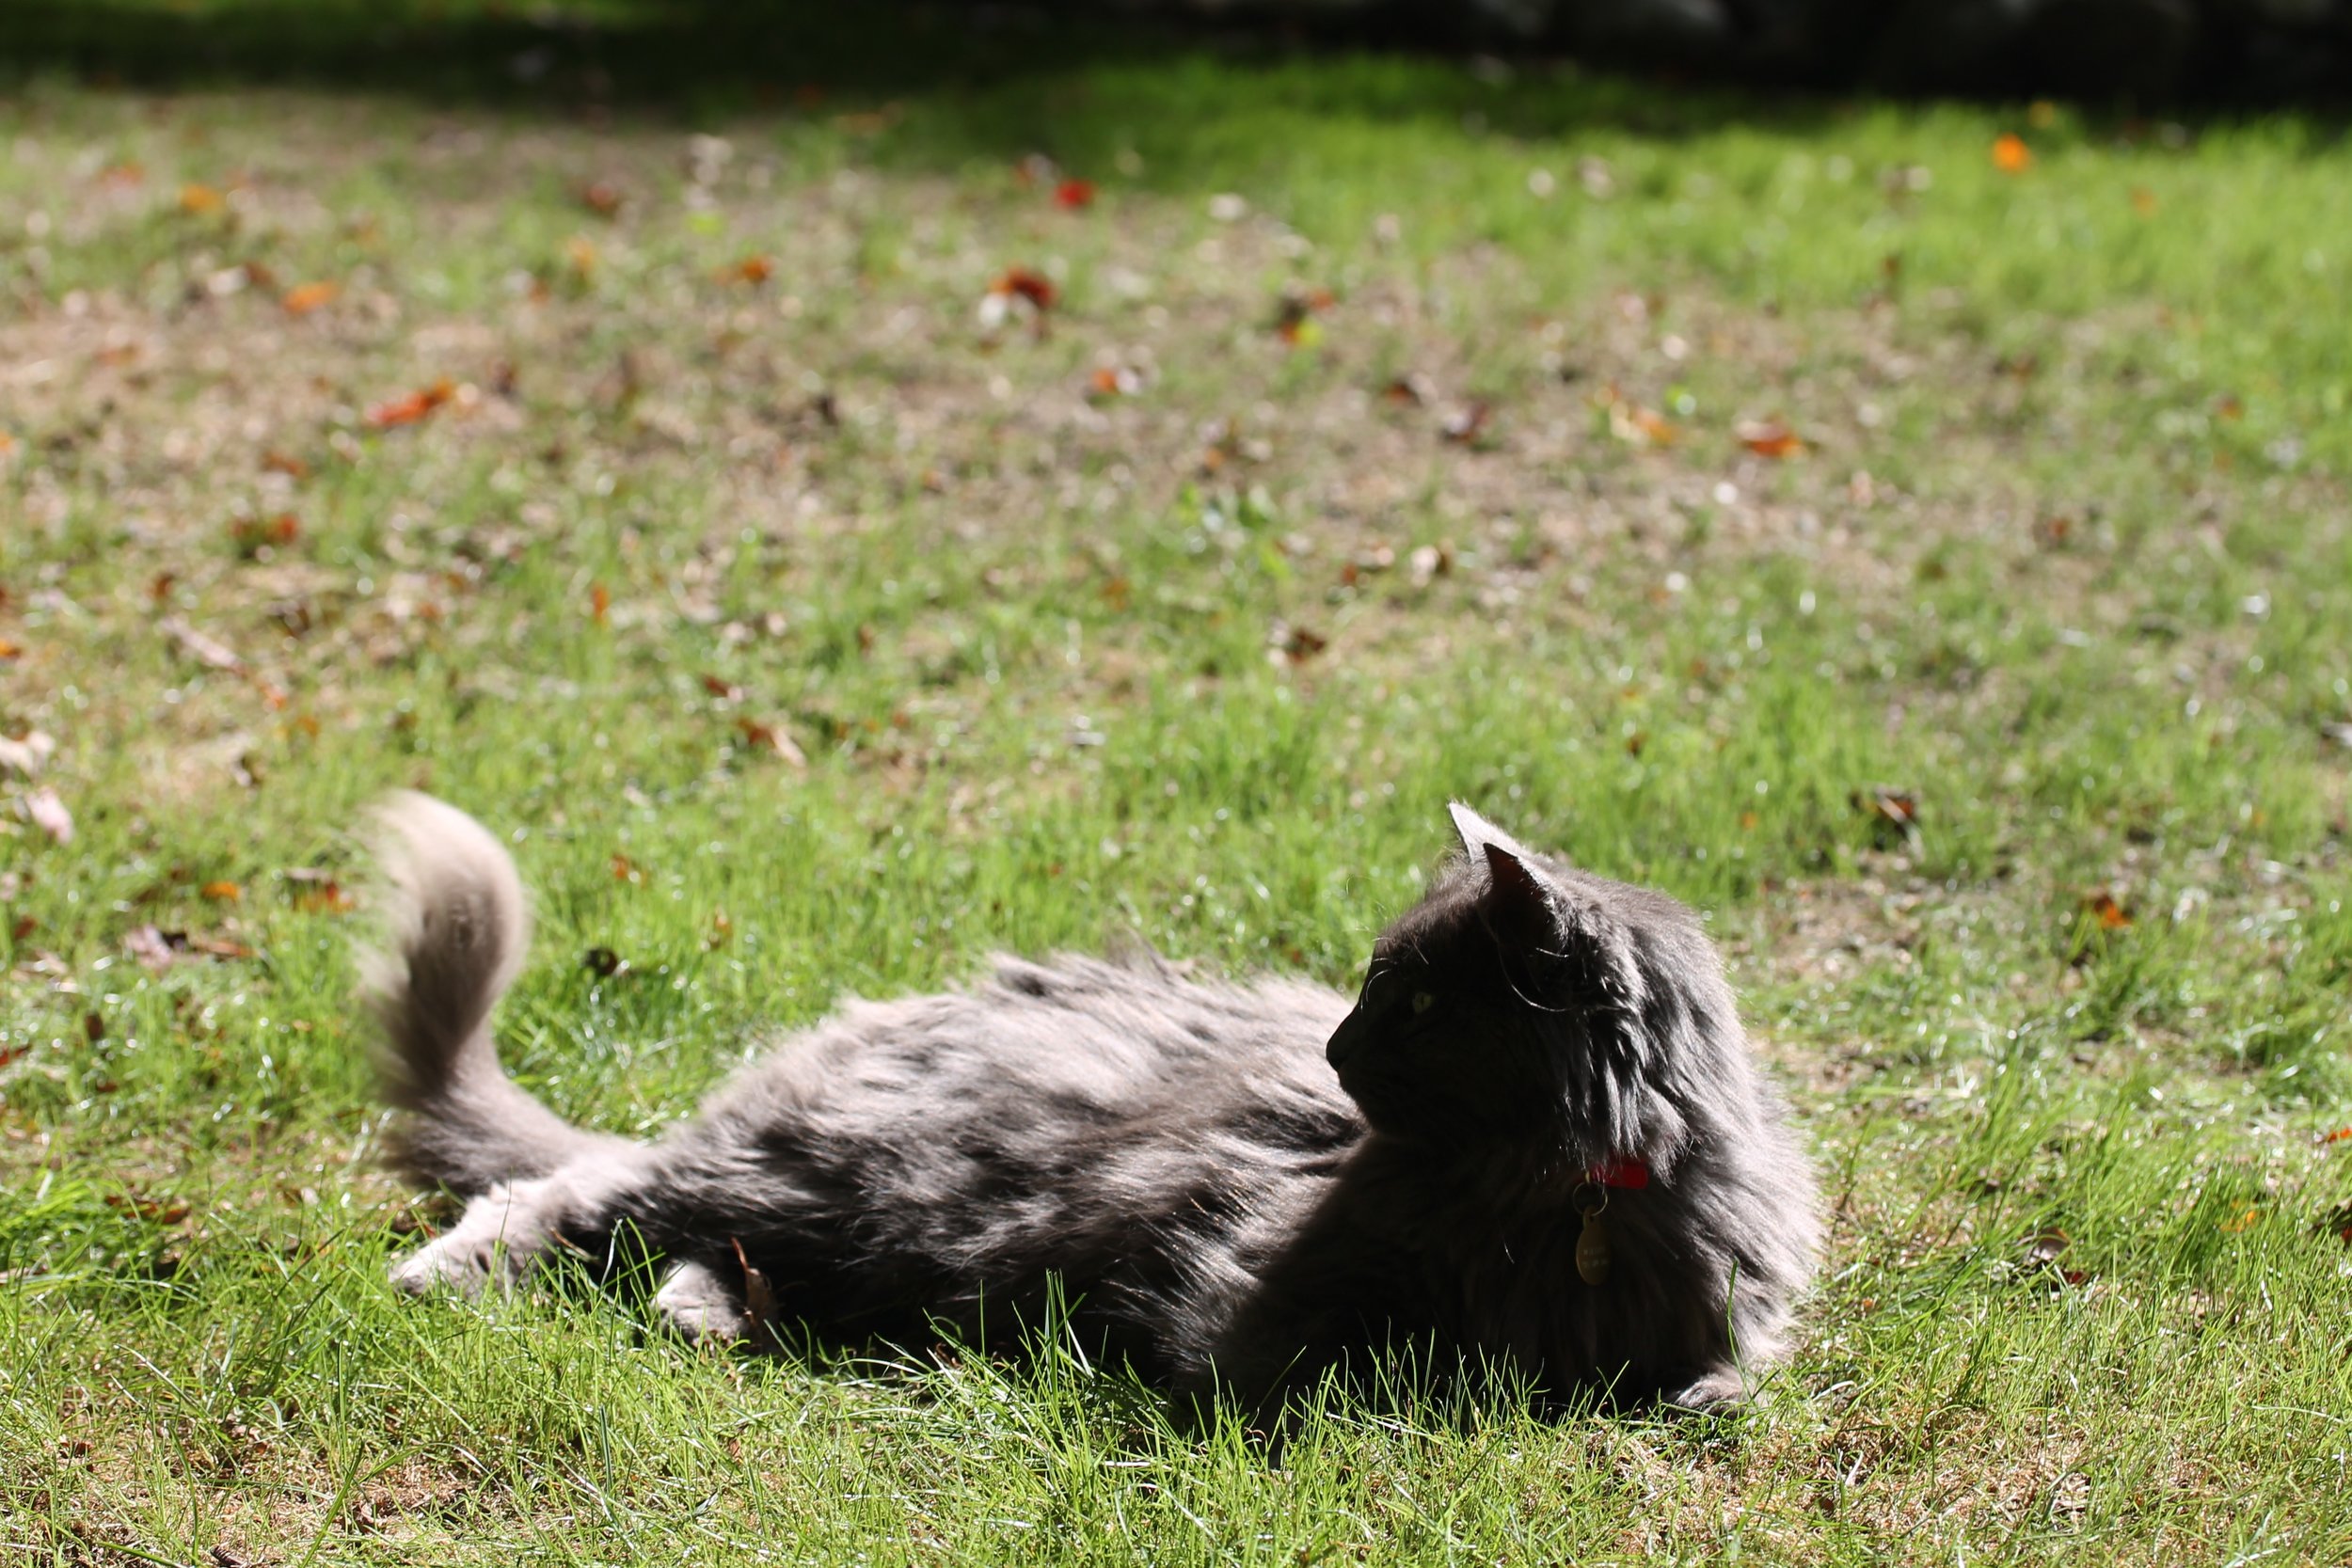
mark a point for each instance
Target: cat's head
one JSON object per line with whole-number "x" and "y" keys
{"x": 1522, "y": 1003}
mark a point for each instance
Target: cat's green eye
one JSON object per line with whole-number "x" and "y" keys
{"x": 1423, "y": 1002}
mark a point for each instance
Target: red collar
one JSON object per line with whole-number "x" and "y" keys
{"x": 1626, "y": 1175}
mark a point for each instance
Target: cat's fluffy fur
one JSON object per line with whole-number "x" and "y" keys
{"x": 1218, "y": 1204}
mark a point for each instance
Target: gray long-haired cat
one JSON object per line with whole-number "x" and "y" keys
{"x": 1535, "y": 1140}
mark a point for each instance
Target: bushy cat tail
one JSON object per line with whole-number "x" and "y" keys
{"x": 456, "y": 926}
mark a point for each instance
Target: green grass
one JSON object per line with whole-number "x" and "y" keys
{"x": 2064, "y": 558}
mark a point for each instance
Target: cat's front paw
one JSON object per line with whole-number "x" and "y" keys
{"x": 704, "y": 1308}
{"x": 1717, "y": 1391}
{"x": 492, "y": 1243}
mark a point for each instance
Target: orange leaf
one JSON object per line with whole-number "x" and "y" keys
{"x": 2341, "y": 1134}
{"x": 415, "y": 406}
{"x": 625, "y": 870}
{"x": 1768, "y": 439}
{"x": 599, "y": 602}
{"x": 223, "y": 892}
{"x": 2113, "y": 915}
{"x": 303, "y": 298}
{"x": 200, "y": 198}
{"x": 750, "y": 269}
{"x": 2011, "y": 154}
{"x": 327, "y": 898}
{"x": 10, "y": 650}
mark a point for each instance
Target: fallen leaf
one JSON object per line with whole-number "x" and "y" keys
{"x": 2044, "y": 1245}
{"x": 772, "y": 737}
{"x": 759, "y": 1297}
{"x": 1113, "y": 381}
{"x": 1894, "y": 813}
{"x": 624, "y": 869}
{"x": 599, "y": 602}
{"x": 2341, "y": 1134}
{"x": 1294, "y": 318}
{"x": 1768, "y": 439}
{"x": 222, "y": 891}
{"x": 303, "y": 298}
{"x": 122, "y": 175}
{"x": 28, "y": 753}
{"x": 204, "y": 649}
{"x": 2244, "y": 1221}
{"x": 157, "y": 1210}
{"x": 1074, "y": 193}
{"x": 147, "y": 944}
{"x": 10, "y": 650}
{"x": 325, "y": 897}
{"x": 1023, "y": 284}
{"x": 2011, "y": 154}
{"x": 200, "y": 198}
{"x": 1297, "y": 644}
{"x": 723, "y": 688}
{"x": 1464, "y": 426}
{"x": 49, "y": 813}
{"x": 722, "y": 930}
{"x": 282, "y": 463}
{"x": 1409, "y": 391}
{"x": 2112, "y": 916}
{"x": 601, "y": 197}
{"x": 2143, "y": 201}
{"x": 750, "y": 269}
{"x": 253, "y": 535}
{"x": 603, "y": 961}
{"x": 415, "y": 406}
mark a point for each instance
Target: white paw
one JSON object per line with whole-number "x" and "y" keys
{"x": 702, "y": 1308}
{"x": 493, "y": 1240}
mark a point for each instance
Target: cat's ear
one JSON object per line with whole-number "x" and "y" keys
{"x": 1477, "y": 834}
{"x": 1520, "y": 906}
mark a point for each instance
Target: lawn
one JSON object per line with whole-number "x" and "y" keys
{"x": 848, "y": 508}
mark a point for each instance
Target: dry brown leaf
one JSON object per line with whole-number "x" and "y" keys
{"x": 1768, "y": 439}
{"x": 205, "y": 650}
{"x": 772, "y": 737}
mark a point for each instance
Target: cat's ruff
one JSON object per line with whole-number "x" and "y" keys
{"x": 1177, "y": 1160}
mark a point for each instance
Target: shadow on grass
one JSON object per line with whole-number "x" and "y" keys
{"x": 992, "y": 78}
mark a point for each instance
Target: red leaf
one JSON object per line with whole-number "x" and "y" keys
{"x": 1074, "y": 193}
{"x": 415, "y": 406}
{"x": 1035, "y": 287}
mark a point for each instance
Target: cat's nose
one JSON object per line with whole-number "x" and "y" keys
{"x": 1345, "y": 1039}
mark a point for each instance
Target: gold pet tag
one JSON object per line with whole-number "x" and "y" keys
{"x": 1592, "y": 1245}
